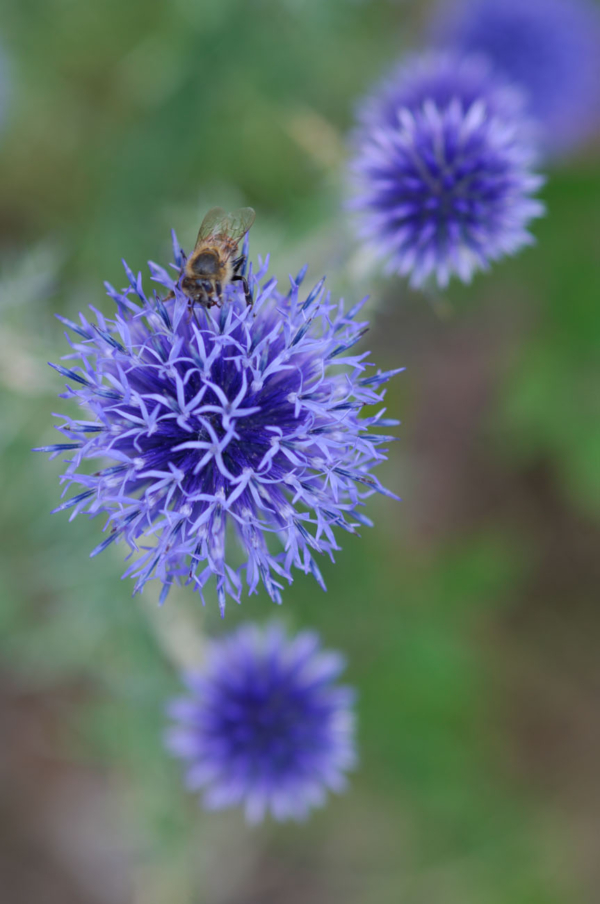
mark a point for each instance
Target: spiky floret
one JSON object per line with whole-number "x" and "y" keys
{"x": 550, "y": 48}
{"x": 265, "y": 725}
{"x": 235, "y": 424}
{"x": 440, "y": 77}
{"x": 442, "y": 170}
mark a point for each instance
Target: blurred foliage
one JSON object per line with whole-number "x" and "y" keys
{"x": 129, "y": 118}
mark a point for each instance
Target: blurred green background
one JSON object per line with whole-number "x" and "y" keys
{"x": 469, "y": 614}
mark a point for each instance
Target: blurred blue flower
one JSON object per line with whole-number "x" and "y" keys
{"x": 550, "y": 48}
{"x": 442, "y": 169}
{"x": 237, "y": 423}
{"x": 440, "y": 77}
{"x": 266, "y": 726}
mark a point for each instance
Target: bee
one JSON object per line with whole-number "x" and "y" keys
{"x": 214, "y": 262}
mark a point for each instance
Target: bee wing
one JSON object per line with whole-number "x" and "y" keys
{"x": 218, "y": 222}
{"x": 239, "y": 222}
{"x": 214, "y": 223}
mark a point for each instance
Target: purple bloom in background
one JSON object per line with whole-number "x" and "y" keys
{"x": 550, "y": 48}
{"x": 440, "y": 77}
{"x": 266, "y": 726}
{"x": 442, "y": 169}
{"x": 236, "y": 424}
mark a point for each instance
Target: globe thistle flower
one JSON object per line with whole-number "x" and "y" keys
{"x": 550, "y": 48}
{"x": 440, "y": 77}
{"x": 266, "y": 726}
{"x": 442, "y": 170}
{"x": 237, "y": 423}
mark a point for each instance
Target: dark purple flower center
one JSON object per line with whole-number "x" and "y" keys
{"x": 271, "y": 723}
{"x": 205, "y": 421}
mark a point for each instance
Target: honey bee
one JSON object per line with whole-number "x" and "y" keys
{"x": 213, "y": 263}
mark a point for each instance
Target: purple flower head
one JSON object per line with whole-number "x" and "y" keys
{"x": 442, "y": 170}
{"x": 266, "y": 726}
{"x": 229, "y": 443}
{"x": 550, "y": 48}
{"x": 440, "y": 77}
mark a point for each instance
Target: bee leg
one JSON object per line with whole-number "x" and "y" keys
{"x": 218, "y": 292}
{"x": 239, "y": 265}
{"x": 237, "y": 277}
{"x": 239, "y": 274}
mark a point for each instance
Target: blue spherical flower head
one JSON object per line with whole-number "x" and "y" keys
{"x": 550, "y": 48}
{"x": 440, "y": 77}
{"x": 229, "y": 443}
{"x": 442, "y": 170}
{"x": 266, "y": 725}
